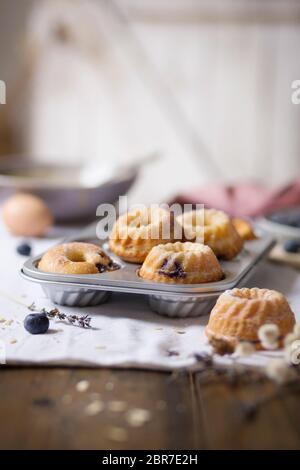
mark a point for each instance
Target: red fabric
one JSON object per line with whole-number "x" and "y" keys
{"x": 248, "y": 199}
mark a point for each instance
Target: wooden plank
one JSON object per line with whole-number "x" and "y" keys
{"x": 42, "y": 409}
{"x": 290, "y": 404}
{"x": 231, "y": 423}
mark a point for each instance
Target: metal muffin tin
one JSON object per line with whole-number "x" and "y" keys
{"x": 173, "y": 300}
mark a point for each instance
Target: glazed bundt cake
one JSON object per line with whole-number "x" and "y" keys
{"x": 239, "y": 313}
{"x": 137, "y": 232}
{"x": 216, "y": 231}
{"x": 183, "y": 263}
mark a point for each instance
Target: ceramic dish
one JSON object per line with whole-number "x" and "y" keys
{"x": 72, "y": 193}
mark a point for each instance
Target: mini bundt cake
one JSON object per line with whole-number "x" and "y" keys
{"x": 244, "y": 229}
{"x": 76, "y": 258}
{"x": 216, "y": 231}
{"x": 137, "y": 232}
{"x": 239, "y": 313}
{"x": 183, "y": 263}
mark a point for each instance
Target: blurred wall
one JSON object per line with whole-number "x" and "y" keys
{"x": 13, "y": 15}
{"x": 218, "y": 74}
{"x": 229, "y": 66}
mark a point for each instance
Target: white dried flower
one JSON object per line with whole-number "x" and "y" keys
{"x": 289, "y": 339}
{"x": 280, "y": 372}
{"x": 292, "y": 353}
{"x": 268, "y": 332}
{"x": 269, "y": 335}
{"x": 244, "y": 348}
{"x": 270, "y": 346}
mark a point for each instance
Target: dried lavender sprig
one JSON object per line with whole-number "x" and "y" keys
{"x": 77, "y": 320}
{"x": 84, "y": 321}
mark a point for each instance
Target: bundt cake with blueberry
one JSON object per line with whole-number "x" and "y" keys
{"x": 182, "y": 263}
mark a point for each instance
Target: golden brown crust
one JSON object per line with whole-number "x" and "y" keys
{"x": 239, "y": 313}
{"x": 137, "y": 232}
{"x": 181, "y": 263}
{"x": 244, "y": 229}
{"x": 76, "y": 258}
{"x": 217, "y": 231}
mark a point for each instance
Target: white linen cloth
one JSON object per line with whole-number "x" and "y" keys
{"x": 124, "y": 333}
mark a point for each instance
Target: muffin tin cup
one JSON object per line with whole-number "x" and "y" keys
{"x": 170, "y": 299}
{"x": 181, "y": 308}
{"x": 74, "y": 297}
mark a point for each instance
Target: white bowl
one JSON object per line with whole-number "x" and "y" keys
{"x": 67, "y": 190}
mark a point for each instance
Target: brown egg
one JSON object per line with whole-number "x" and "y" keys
{"x": 26, "y": 215}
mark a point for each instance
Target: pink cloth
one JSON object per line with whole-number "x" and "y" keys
{"x": 247, "y": 199}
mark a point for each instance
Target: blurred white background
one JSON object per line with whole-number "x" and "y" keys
{"x": 206, "y": 83}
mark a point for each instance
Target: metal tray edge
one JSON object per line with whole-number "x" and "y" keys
{"x": 144, "y": 288}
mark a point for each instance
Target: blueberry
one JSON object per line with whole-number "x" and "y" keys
{"x": 101, "y": 268}
{"x": 291, "y": 246}
{"x": 111, "y": 266}
{"x": 24, "y": 249}
{"x": 36, "y": 323}
{"x": 174, "y": 271}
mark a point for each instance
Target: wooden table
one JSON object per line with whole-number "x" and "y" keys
{"x": 40, "y": 408}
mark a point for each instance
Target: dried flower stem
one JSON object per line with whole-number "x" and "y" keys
{"x": 83, "y": 321}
